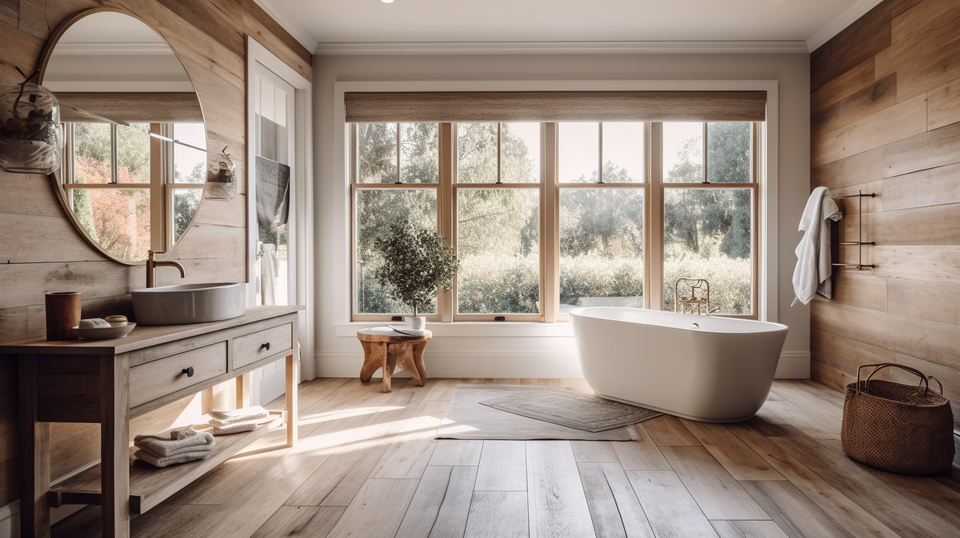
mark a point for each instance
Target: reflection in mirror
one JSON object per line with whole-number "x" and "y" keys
{"x": 134, "y": 159}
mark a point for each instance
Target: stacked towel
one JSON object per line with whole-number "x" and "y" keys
{"x": 240, "y": 420}
{"x": 178, "y": 446}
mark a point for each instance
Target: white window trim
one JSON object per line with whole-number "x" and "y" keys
{"x": 769, "y": 187}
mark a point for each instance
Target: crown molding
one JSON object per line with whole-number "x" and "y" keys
{"x": 288, "y": 22}
{"x": 838, "y": 24}
{"x": 560, "y": 47}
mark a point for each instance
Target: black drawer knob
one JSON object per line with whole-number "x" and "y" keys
{"x": 188, "y": 371}
{"x": 265, "y": 346}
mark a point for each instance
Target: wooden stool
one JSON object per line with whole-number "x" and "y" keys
{"x": 385, "y": 348}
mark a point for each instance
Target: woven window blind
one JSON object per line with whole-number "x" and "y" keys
{"x": 80, "y": 107}
{"x": 377, "y": 107}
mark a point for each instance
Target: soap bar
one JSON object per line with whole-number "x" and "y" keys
{"x": 116, "y": 320}
{"x": 94, "y": 323}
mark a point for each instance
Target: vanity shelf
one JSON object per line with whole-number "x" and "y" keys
{"x": 112, "y": 381}
{"x": 150, "y": 486}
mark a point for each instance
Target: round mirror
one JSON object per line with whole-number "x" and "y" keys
{"x": 135, "y": 144}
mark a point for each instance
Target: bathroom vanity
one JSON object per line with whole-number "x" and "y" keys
{"x": 111, "y": 381}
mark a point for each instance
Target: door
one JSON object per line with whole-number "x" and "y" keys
{"x": 274, "y": 270}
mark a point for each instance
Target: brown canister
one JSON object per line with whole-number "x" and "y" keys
{"x": 63, "y": 314}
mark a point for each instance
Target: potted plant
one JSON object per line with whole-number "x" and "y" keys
{"x": 415, "y": 267}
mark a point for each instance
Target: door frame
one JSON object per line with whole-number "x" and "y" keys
{"x": 302, "y": 189}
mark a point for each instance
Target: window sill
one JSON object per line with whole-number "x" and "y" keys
{"x": 472, "y": 328}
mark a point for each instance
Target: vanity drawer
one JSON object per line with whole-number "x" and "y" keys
{"x": 165, "y": 376}
{"x": 261, "y": 344}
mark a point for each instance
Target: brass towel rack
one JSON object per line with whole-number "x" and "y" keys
{"x": 859, "y": 242}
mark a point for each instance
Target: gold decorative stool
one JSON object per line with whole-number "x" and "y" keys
{"x": 385, "y": 348}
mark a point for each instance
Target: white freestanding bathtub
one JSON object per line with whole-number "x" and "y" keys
{"x": 703, "y": 368}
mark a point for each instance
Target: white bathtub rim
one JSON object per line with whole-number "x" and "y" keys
{"x": 768, "y": 326}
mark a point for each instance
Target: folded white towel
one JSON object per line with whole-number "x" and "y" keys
{"x": 173, "y": 444}
{"x": 225, "y": 418}
{"x": 171, "y": 460}
{"x": 236, "y": 427}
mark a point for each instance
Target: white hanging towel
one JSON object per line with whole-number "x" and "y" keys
{"x": 813, "y": 271}
{"x": 268, "y": 274}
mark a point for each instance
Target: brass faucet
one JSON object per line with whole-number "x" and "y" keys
{"x": 152, "y": 265}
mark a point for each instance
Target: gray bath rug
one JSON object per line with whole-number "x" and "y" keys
{"x": 468, "y": 418}
{"x": 572, "y": 409}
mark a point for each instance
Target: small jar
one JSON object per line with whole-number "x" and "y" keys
{"x": 31, "y": 140}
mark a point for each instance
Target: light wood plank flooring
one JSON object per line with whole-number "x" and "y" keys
{"x": 367, "y": 465}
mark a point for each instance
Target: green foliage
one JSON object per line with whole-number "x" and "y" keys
{"x": 415, "y": 264}
{"x": 691, "y": 216}
{"x": 186, "y": 202}
{"x": 377, "y": 152}
{"x": 729, "y": 278}
{"x": 419, "y": 153}
{"x": 495, "y": 285}
{"x": 595, "y": 276}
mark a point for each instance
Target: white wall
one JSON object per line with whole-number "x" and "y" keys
{"x": 464, "y": 352}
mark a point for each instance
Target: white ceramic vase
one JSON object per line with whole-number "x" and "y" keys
{"x": 417, "y": 323}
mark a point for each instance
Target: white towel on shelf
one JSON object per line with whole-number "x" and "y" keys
{"x": 236, "y": 427}
{"x": 813, "y": 271}
{"x": 166, "y": 461}
{"x": 246, "y": 414}
{"x": 175, "y": 443}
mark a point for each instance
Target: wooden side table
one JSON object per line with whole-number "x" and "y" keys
{"x": 384, "y": 348}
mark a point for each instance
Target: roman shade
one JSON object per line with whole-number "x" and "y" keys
{"x": 377, "y": 107}
{"x": 83, "y": 107}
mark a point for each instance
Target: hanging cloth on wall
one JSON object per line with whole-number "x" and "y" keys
{"x": 273, "y": 193}
{"x": 814, "y": 269}
{"x": 268, "y": 274}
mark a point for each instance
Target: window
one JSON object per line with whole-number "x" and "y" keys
{"x": 549, "y": 216}
{"x": 119, "y": 178}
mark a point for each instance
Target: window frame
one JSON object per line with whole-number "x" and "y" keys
{"x": 161, "y": 186}
{"x": 336, "y": 202}
{"x": 550, "y": 187}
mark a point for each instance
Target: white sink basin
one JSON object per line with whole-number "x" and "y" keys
{"x": 189, "y": 303}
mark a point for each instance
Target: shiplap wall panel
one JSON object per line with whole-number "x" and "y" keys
{"x": 41, "y": 251}
{"x": 843, "y": 86}
{"x": 944, "y": 105}
{"x": 936, "y": 186}
{"x": 855, "y": 44}
{"x": 906, "y": 309}
{"x": 868, "y": 100}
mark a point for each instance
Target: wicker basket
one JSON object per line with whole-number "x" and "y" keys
{"x": 895, "y": 427}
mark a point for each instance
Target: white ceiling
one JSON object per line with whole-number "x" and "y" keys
{"x": 805, "y": 24}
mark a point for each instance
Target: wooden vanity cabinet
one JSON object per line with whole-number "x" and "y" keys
{"x": 112, "y": 381}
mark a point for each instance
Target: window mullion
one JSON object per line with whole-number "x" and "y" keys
{"x": 653, "y": 225}
{"x": 158, "y": 155}
{"x": 447, "y": 212}
{"x": 550, "y": 225}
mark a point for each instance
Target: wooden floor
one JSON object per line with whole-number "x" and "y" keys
{"x": 367, "y": 465}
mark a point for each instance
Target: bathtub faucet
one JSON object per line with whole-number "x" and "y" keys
{"x": 691, "y": 304}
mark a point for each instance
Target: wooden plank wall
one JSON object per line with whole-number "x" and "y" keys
{"x": 885, "y": 107}
{"x": 39, "y": 249}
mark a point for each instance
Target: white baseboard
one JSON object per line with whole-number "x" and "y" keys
{"x": 793, "y": 365}
{"x": 466, "y": 365}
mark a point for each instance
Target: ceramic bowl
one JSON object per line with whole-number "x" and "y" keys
{"x": 104, "y": 333}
